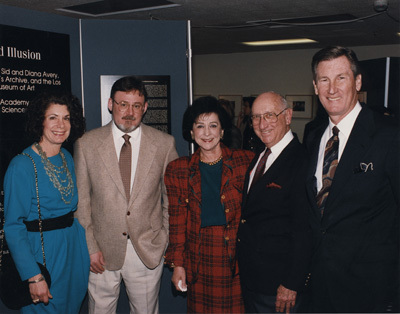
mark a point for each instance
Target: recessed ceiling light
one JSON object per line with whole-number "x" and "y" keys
{"x": 279, "y": 42}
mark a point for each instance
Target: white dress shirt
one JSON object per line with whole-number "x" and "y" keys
{"x": 345, "y": 126}
{"x": 135, "y": 137}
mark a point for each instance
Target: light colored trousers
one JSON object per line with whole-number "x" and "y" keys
{"x": 142, "y": 286}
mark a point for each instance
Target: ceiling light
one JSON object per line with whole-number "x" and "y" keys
{"x": 279, "y": 42}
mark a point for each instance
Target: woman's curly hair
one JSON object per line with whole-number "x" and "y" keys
{"x": 204, "y": 105}
{"x": 37, "y": 108}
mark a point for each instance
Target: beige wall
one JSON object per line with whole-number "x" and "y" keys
{"x": 286, "y": 72}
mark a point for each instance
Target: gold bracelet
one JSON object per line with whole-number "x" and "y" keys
{"x": 36, "y": 280}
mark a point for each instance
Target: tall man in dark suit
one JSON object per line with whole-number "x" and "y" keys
{"x": 354, "y": 197}
{"x": 274, "y": 241}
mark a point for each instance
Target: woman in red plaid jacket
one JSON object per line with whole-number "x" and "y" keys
{"x": 205, "y": 195}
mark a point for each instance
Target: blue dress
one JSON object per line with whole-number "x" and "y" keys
{"x": 67, "y": 256}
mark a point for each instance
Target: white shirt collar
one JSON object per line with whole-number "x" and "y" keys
{"x": 117, "y": 133}
{"x": 346, "y": 124}
{"x": 280, "y": 146}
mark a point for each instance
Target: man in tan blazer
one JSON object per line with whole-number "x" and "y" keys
{"x": 127, "y": 233}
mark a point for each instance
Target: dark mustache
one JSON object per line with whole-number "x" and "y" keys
{"x": 132, "y": 118}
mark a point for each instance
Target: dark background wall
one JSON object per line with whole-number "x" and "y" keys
{"x": 140, "y": 48}
{"x": 112, "y": 47}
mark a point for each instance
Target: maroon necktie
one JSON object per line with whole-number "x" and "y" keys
{"x": 328, "y": 168}
{"x": 260, "y": 167}
{"x": 125, "y": 162}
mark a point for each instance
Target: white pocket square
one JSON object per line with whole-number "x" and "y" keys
{"x": 364, "y": 166}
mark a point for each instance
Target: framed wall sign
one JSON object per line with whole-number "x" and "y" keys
{"x": 302, "y": 105}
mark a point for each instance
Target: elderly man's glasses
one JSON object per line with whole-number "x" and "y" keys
{"x": 123, "y": 106}
{"x": 270, "y": 117}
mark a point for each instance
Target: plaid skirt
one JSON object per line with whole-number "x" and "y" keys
{"x": 214, "y": 291}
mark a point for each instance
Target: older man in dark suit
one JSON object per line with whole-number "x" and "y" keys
{"x": 353, "y": 188}
{"x": 274, "y": 242}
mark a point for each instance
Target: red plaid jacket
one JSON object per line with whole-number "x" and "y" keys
{"x": 183, "y": 183}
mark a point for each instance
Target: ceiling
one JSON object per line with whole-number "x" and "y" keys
{"x": 219, "y": 26}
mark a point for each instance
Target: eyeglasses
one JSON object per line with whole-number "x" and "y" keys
{"x": 270, "y": 117}
{"x": 123, "y": 106}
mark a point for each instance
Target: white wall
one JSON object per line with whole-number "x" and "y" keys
{"x": 287, "y": 72}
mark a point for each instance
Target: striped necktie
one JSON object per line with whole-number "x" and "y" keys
{"x": 329, "y": 168}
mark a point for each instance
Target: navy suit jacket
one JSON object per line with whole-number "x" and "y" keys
{"x": 274, "y": 242}
{"x": 356, "y": 242}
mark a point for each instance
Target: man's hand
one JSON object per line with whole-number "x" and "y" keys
{"x": 285, "y": 299}
{"x": 179, "y": 275}
{"x": 97, "y": 262}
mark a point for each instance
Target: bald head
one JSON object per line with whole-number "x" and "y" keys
{"x": 272, "y": 98}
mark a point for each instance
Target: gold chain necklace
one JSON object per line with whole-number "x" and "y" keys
{"x": 212, "y": 163}
{"x": 65, "y": 187}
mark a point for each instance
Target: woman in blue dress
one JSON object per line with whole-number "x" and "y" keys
{"x": 51, "y": 120}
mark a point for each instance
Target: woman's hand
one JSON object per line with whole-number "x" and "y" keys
{"x": 179, "y": 275}
{"x": 39, "y": 290}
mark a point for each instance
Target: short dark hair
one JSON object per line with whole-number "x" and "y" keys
{"x": 128, "y": 84}
{"x": 204, "y": 105}
{"x": 333, "y": 52}
{"x": 37, "y": 108}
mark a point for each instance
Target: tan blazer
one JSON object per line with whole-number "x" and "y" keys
{"x": 103, "y": 209}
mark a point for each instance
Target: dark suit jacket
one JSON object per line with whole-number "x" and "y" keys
{"x": 273, "y": 238}
{"x": 356, "y": 243}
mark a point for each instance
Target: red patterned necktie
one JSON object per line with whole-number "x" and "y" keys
{"x": 125, "y": 162}
{"x": 329, "y": 168}
{"x": 260, "y": 167}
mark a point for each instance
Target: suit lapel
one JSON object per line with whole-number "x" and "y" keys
{"x": 247, "y": 178}
{"x": 356, "y": 147}
{"x": 227, "y": 168}
{"x": 275, "y": 169}
{"x": 194, "y": 176}
{"x": 106, "y": 151}
{"x": 147, "y": 153}
{"x": 311, "y": 184}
